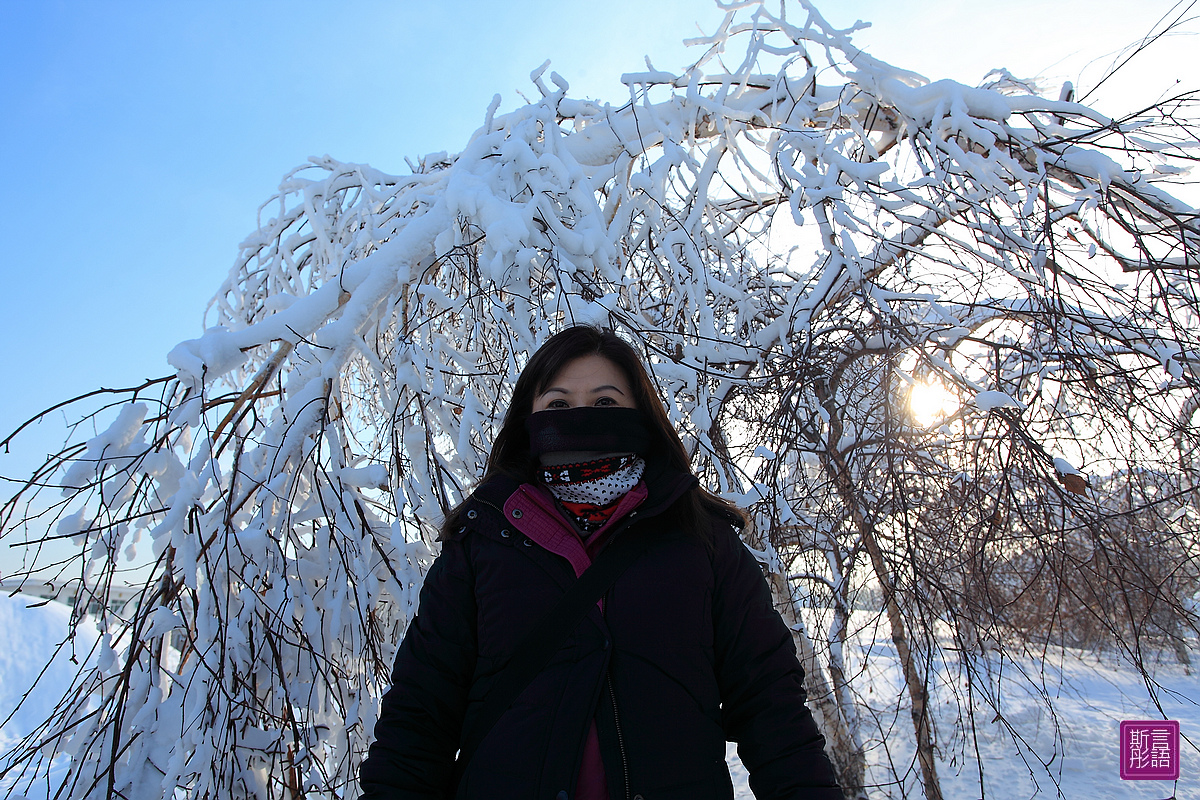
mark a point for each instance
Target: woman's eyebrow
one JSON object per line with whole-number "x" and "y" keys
{"x": 561, "y": 390}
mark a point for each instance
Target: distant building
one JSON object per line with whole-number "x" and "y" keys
{"x": 68, "y": 593}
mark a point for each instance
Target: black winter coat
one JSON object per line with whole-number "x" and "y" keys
{"x": 688, "y": 653}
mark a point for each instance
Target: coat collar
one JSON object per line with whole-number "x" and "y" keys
{"x": 664, "y": 484}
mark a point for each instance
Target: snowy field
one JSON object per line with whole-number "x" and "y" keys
{"x": 1092, "y": 695}
{"x": 30, "y": 639}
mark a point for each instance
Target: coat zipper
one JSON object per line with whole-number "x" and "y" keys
{"x": 612, "y": 696}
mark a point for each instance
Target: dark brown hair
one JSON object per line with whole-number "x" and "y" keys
{"x": 510, "y": 452}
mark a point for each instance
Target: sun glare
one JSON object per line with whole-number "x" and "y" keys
{"x": 930, "y": 403}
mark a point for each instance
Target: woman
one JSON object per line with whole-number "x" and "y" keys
{"x": 682, "y": 652}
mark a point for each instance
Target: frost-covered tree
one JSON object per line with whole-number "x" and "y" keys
{"x": 799, "y": 235}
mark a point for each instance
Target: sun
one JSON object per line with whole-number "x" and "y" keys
{"x": 930, "y": 403}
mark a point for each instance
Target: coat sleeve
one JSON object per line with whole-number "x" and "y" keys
{"x": 762, "y": 683}
{"x": 417, "y": 734}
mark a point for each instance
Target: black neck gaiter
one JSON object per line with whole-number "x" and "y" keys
{"x": 602, "y": 429}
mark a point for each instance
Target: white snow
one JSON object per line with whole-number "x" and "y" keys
{"x": 986, "y": 401}
{"x": 1064, "y": 467}
{"x": 30, "y": 639}
{"x": 1092, "y": 694}
{"x": 115, "y": 447}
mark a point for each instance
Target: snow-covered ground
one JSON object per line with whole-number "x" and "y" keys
{"x": 1091, "y": 694}
{"x": 36, "y": 667}
{"x": 1091, "y": 697}
{"x": 1072, "y": 753}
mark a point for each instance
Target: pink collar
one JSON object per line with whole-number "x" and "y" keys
{"x": 532, "y": 510}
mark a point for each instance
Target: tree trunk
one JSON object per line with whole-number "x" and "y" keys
{"x": 843, "y": 746}
{"x": 912, "y": 674}
{"x": 836, "y": 464}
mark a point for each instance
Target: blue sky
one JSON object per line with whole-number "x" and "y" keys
{"x": 140, "y": 137}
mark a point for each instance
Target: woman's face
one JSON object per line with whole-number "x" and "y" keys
{"x": 587, "y": 381}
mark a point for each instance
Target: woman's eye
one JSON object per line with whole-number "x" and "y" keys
{"x": 557, "y": 404}
{"x": 606, "y": 401}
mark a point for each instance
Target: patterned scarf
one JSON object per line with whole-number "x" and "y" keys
{"x": 591, "y": 490}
